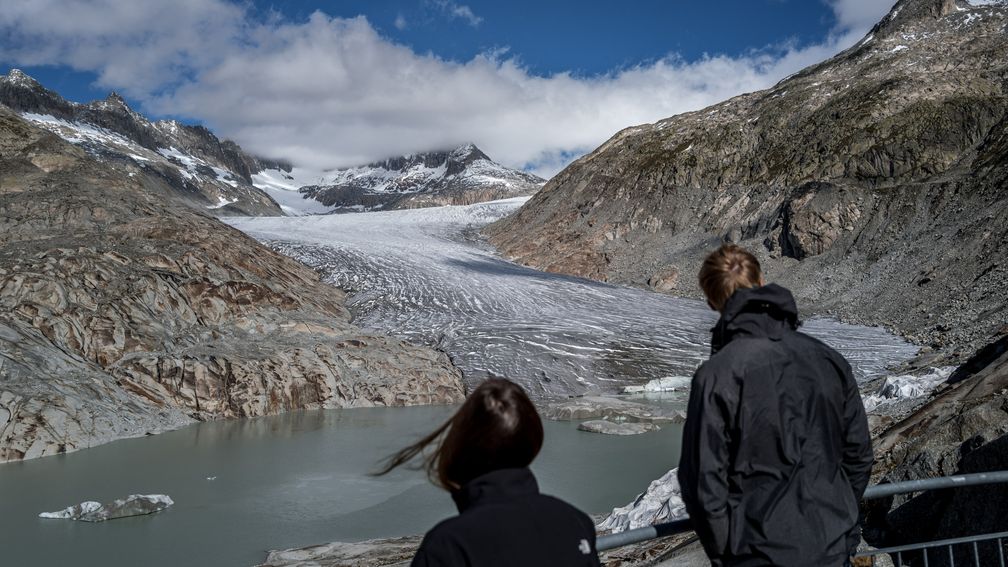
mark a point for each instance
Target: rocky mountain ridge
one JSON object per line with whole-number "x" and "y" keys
{"x": 202, "y": 170}
{"x": 462, "y": 176}
{"x": 124, "y": 312}
{"x": 206, "y": 172}
{"x": 872, "y": 184}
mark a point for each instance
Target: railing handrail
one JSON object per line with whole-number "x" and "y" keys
{"x": 682, "y": 524}
{"x": 955, "y": 481}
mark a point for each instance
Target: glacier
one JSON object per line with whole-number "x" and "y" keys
{"x": 425, "y": 275}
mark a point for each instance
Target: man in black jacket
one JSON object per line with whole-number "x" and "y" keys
{"x": 776, "y": 453}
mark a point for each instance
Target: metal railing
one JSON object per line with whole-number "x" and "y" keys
{"x": 681, "y": 525}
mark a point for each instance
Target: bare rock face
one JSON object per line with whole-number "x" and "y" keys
{"x": 392, "y": 552}
{"x": 817, "y": 216}
{"x": 122, "y": 314}
{"x": 871, "y": 184}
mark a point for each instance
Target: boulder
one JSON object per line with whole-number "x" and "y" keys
{"x": 665, "y": 279}
{"x": 617, "y": 428}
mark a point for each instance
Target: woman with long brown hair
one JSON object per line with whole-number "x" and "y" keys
{"x": 482, "y": 457}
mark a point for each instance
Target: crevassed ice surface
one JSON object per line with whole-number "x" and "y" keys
{"x": 423, "y": 275}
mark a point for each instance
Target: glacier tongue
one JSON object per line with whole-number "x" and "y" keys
{"x": 423, "y": 275}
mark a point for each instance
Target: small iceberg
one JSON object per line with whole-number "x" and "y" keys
{"x": 132, "y": 505}
{"x": 665, "y": 384}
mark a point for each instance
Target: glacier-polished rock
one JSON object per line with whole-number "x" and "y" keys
{"x": 124, "y": 312}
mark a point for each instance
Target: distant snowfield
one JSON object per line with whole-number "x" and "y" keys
{"x": 419, "y": 274}
{"x": 283, "y": 187}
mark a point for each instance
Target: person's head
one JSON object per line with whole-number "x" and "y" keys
{"x": 497, "y": 427}
{"x": 726, "y": 270}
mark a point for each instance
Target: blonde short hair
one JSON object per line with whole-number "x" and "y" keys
{"x": 726, "y": 270}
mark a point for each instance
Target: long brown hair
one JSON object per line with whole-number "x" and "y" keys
{"x": 497, "y": 427}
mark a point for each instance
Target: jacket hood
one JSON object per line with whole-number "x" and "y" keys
{"x": 494, "y": 486}
{"x": 767, "y": 311}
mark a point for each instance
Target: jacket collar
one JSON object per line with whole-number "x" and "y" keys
{"x": 767, "y": 311}
{"x": 495, "y": 486}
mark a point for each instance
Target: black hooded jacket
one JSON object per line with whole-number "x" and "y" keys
{"x": 776, "y": 452}
{"x": 504, "y": 521}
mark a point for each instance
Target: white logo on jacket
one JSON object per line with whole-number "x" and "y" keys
{"x": 585, "y": 547}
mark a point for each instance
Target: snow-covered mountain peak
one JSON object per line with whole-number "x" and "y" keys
{"x": 20, "y": 78}
{"x": 114, "y": 99}
{"x": 204, "y": 171}
{"x": 466, "y": 150}
{"x": 463, "y": 175}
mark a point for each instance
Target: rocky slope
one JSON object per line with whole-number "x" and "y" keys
{"x": 873, "y": 184}
{"x": 198, "y": 168}
{"x": 462, "y": 176}
{"x": 123, "y": 312}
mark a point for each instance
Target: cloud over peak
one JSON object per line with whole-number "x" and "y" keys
{"x": 330, "y": 92}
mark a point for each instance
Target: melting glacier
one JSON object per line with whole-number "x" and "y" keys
{"x": 424, "y": 275}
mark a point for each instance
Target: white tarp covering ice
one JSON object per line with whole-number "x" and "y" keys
{"x": 661, "y": 502}
{"x": 902, "y": 387}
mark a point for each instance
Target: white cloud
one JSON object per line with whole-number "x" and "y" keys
{"x": 400, "y": 22}
{"x": 859, "y": 14}
{"x": 460, "y": 11}
{"x": 332, "y": 92}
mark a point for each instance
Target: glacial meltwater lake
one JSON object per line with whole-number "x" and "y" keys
{"x": 244, "y": 487}
{"x": 280, "y": 482}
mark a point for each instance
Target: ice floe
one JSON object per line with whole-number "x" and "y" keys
{"x": 132, "y": 505}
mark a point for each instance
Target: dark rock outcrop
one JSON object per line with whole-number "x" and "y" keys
{"x": 124, "y": 313}
{"x": 872, "y": 184}
{"x": 962, "y": 429}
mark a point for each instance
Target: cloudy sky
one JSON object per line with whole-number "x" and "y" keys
{"x": 337, "y": 83}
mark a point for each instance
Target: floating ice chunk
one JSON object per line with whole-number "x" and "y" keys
{"x": 661, "y": 502}
{"x": 664, "y": 384}
{"x": 132, "y": 505}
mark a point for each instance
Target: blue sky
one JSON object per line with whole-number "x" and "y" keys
{"x": 335, "y": 83}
